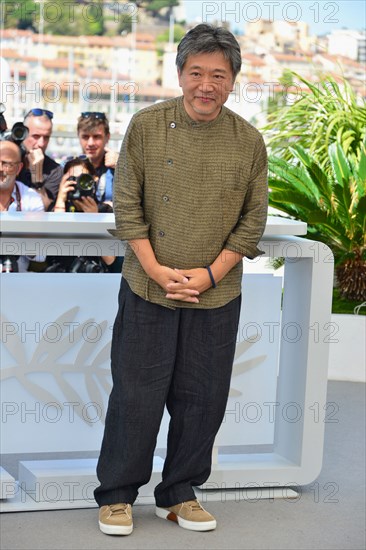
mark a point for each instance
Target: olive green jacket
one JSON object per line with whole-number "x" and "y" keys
{"x": 193, "y": 189}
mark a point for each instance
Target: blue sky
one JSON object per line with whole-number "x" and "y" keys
{"x": 321, "y": 15}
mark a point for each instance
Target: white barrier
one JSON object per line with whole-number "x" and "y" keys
{"x": 55, "y": 380}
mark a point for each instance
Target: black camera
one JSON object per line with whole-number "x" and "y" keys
{"x": 17, "y": 134}
{"x": 85, "y": 186}
{"x": 80, "y": 264}
{"x": 86, "y": 265}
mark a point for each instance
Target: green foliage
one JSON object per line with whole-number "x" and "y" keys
{"x": 317, "y": 173}
{"x": 56, "y": 17}
{"x": 124, "y": 24}
{"x": 326, "y": 112}
{"x": 74, "y": 19}
{"x": 20, "y": 15}
{"x": 342, "y": 305}
{"x": 155, "y": 6}
{"x": 278, "y": 99}
{"x": 77, "y": 18}
{"x": 332, "y": 203}
{"x": 179, "y": 32}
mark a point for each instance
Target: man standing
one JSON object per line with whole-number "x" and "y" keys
{"x": 40, "y": 171}
{"x": 190, "y": 198}
{"x": 94, "y": 134}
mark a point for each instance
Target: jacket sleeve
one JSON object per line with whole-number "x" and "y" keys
{"x": 250, "y": 227}
{"x": 128, "y": 187}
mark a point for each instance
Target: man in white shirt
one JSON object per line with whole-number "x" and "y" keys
{"x": 14, "y": 195}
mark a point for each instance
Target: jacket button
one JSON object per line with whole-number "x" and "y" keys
{"x": 161, "y": 233}
{"x": 172, "y": 125}
{"x": 166, "y": 198}
{"x": 170, "y": 162}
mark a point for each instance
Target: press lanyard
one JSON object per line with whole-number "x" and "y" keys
{"x": 18, "y": 199}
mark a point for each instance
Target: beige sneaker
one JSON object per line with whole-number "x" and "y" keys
{"x": 116, "y": 519}
{"x": 189, "y": 515}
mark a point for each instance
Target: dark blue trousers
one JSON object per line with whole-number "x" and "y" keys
{"x": 180, "y": 358}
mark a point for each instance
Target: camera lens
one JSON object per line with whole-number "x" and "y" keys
{"x": 19, "y": 132}
{"x": 86, "y": 182}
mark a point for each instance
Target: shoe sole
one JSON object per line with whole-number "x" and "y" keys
{"x": 185, "y": 523}
{"x": 115, "y": 529}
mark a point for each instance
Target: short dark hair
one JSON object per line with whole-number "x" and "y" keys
{"x": 89, "y": 124}
{"x": 85, "y": 163}
{"x": 209, "y": 39}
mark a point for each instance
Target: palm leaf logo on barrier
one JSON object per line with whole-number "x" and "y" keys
{"x": 242, "y": 365}
{"x": 48, "y": 358}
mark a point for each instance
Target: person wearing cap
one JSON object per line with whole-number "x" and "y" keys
{"x": 93, "y": 132}
{"x": 40, "y": 171}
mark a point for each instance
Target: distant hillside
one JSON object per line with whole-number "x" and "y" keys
{"x": 100, "y": 17}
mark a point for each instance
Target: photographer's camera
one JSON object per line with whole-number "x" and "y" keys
{"x": 17, "y": 134}
{"x": 85, "y": 186}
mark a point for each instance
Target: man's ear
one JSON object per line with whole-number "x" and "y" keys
{"x": 179, "y": 72}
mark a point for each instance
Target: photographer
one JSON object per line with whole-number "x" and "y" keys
{"x": 40, "y": 171}
{"x": 77, "y": 194}
{"x": 94, "y": 133}
{"x": 15, "y": 196}
{"x": 73, "y": 197}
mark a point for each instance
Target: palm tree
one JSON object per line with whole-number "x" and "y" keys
{"x": 328, "y": 112}
{"x": 318, "y": 173}
{"x": 332, "y": 202}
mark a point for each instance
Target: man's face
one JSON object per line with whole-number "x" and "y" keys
{"x": 206, "y": 81}
{"x": 40, "y": 130}
{"x": 93, "y": 143}
{"x": 10, "y": 164}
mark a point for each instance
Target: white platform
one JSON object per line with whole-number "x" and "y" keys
{"x": 68, "y": 481}
{"x": 8, "y": 485}
{"x": 300, "y": 398}
{"x": 55, "y": 480}
{"x": 69, "y": 484}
